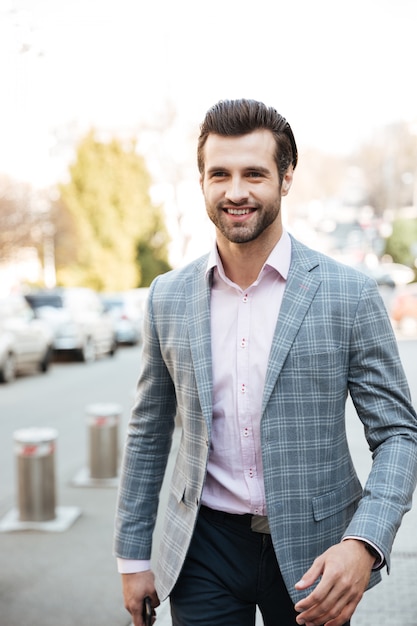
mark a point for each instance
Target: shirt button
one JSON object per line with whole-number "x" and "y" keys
{"x": 243, "y": 343}
{"x": 243, "y": 388}
{"x": 245, "y": 298}
{"x": 246, "y": 432}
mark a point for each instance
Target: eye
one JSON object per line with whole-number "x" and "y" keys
{"x": 255, "y": 174}
{"x": 218, "y": 174}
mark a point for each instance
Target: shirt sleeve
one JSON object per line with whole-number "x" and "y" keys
{"x": 132, "y": 566}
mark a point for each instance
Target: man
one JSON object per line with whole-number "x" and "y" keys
{"x": 254, "y": 349}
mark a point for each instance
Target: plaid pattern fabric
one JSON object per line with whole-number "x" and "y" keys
{"x": 333, "y": 337}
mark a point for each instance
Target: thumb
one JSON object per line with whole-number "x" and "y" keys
{"x": 310, "y": 576}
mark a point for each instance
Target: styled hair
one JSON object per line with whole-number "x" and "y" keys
{"x": 233, "y": 118}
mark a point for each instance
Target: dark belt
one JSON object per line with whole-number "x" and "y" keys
{"x": 257, "y": 523}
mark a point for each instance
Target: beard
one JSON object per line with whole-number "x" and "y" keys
{"x": 249, "y": 230}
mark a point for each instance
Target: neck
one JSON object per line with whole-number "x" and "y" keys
{"x": 243, "y": 262}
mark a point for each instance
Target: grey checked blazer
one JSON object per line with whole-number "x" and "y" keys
{"x": 333, "y": 337}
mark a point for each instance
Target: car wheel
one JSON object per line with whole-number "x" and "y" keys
{"x": 8, "y": 371}
{"x": 46, "y": 361}
{"x": 88, "y": 351}
{"x": 113, "y": 348}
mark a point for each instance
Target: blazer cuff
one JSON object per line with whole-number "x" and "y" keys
{"x": 373, "y": 549}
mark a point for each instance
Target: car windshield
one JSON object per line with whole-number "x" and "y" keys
{"x": 113, "y": 302}
{"x": 39, "y": 300}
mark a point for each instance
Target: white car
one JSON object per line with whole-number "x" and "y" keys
{"x": 25, "y": 342}
{"x": 126, "y": 309}
{"x": 77, "y": 318}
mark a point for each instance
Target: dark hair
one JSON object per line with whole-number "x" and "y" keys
{"x": 238, "y": 117}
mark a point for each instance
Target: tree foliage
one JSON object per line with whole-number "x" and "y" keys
{"x": 108, "y": 198}
{"x": 401, "y": 245}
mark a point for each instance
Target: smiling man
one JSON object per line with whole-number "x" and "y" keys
{"x": 254, "y": 349}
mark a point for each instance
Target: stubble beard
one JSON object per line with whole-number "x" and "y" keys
{"x": 241, "y": 232}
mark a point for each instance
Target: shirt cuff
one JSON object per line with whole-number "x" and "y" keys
{"x": 379, "y": 559}
{"x": 132, "y": 566}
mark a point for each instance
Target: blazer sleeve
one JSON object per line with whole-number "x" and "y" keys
{"x": 146, "y": 450}
{"x": 380, "y": 393}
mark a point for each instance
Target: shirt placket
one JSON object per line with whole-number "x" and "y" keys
{"x": 244, "y": 394}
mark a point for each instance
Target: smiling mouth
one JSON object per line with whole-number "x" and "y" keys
{"x": 238, "y": 211}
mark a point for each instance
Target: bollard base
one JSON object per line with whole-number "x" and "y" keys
{"x": 65, "y": 517}
{"x": 84, "y": 479}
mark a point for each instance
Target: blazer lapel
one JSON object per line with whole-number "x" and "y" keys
{"x": 302, "y": 285}
{"x": 198, "y": 321}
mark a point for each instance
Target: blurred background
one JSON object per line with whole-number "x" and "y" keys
{"x": 100, "y": 108}
{"x": 99, "y": 115}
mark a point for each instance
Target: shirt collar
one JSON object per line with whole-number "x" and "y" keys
{"x": 279, "y": 258}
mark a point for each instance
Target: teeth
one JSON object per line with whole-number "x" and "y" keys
{"x": 238, "y": 211}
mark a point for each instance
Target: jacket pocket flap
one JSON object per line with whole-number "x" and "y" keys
{"x": 334, "y": 501}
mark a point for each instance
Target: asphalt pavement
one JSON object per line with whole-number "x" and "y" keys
{"x": 68, "y": 577}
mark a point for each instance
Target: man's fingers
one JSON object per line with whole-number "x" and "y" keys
{"x": 345, "y": 569}
{"x": 311, "y": 575}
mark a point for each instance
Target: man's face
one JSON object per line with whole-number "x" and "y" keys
{"x": 241, "y": 185}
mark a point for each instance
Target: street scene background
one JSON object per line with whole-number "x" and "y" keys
{"x": 99, "y": 116}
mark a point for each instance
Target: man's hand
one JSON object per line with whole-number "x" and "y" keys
{"x": 135, "y": 588}
{"x": 345, "y": 569}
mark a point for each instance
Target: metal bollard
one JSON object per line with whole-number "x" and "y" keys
{"x": 35, "y": 453}
{"x": 103, "y": 421}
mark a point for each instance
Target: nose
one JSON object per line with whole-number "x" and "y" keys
{"x": 236, "y": 190}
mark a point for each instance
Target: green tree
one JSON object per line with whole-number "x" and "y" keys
{"x": 401, "y": 244}
{"x": 108, "y": 198}
{"x": 151, "y": 254}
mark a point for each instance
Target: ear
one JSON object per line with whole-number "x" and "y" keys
{"x": 287, "y": 181}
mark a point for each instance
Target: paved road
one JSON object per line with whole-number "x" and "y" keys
{"x": 69, "y": 578}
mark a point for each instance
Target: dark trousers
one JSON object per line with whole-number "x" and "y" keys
{"x": 230, "y": 570}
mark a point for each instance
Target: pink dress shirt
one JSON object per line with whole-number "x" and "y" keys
{"x": 242, "y": 327}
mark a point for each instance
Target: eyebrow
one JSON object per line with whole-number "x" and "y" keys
{"x": 249, "y": 168}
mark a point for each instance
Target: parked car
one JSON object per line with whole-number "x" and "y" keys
{"x": 404, "y": 307}
{"x": 126, "y": 309}
{"x": 78, "y": 320}
{"x": 25, "y": 342}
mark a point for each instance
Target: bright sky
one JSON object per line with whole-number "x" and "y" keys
{"x": 337, "y": 69}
